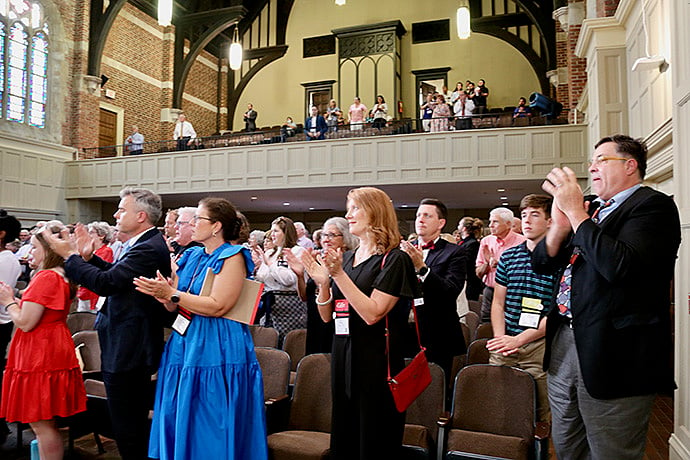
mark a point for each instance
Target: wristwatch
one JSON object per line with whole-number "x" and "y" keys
{"x": 175, "y": 298}
{"x": 423, "y": 271}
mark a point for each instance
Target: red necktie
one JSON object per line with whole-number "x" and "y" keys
{"x": 429, "y": 245}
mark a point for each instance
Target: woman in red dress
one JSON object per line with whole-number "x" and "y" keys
{"x": 42, "y": 377}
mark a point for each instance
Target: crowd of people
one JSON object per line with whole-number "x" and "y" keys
{"x": 564, "y": 290}
{"x": 439, "y": 111}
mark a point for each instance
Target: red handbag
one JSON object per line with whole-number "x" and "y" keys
{"x": 413, "y": 379}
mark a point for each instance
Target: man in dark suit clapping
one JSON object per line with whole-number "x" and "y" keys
{"x": 440, "y": 267}
{"x": 130, "y": 324}
{"x": 608, "y": 337}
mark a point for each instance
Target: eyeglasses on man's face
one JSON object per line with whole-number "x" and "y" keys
{"x": 600, "y": 160}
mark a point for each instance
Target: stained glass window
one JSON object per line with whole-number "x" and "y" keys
{"x": 2, "y": 65}
{"x": 24, "y": 58}
{"x": 16, "y": 73}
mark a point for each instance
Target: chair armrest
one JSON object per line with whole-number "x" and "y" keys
{"x": 443, "y": 423}
{"x": 277, "y": 413}
{"x": 271, "y": 401}
{"x": 542, "y": 431}
{"x": 443, "y": 420}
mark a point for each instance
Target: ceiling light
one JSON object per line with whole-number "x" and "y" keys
{"x": 505, "y": 203}
{"x": 340, "y": 2}
{"x": 165, "y": 8}
{"x": 235, "y": 51}
{"x": 504, "y": 197}
{"x": 253, "y": 198}
{"x": 500, "y": 190}
{"x": 462, "y": 20}
{"x": 286, "y": 203}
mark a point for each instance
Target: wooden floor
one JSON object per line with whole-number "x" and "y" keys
{"x": 660, "y": 427}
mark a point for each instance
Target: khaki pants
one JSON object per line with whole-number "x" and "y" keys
{"x": 530, "y": 358}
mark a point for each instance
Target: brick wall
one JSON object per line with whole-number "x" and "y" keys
{"x": 577, "y": 74}
{"x": 562, "y": 94}
{"x": 138, "y": 61}
{"x": 606, "y": 8}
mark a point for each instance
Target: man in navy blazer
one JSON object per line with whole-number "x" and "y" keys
{"x": 315, "y": 126}
{"x": 608, "y": 337}
{"x": 441, "y": 270}
{"x": 130, "y": 324}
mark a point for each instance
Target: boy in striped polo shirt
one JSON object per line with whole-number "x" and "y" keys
{"x": 522, "y": 300}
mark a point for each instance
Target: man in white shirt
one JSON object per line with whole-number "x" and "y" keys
{"x": 184, "y": 133}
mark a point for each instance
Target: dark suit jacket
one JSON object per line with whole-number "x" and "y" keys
{"x": 130, "y": 324}
{"x": 250, "y": 120}
{"x": 439, "y": 324}
{"x": 621, "y": 295}
{"x": 469, "y": 249}
{"x": 321, "y": 127}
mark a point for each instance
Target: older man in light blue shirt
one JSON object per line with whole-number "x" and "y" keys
{"x": 135, "y": 142}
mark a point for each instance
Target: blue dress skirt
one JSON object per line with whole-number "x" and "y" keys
{"x": 209, "y": 397}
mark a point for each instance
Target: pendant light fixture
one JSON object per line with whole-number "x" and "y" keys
{"x": 463, "y": 20}
{"x": 165, "y": 8}
{"x": 235, "y": 50}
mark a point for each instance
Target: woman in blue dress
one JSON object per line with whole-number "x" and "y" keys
{"x": 209, "y": 397}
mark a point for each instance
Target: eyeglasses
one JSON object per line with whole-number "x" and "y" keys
{"x": 601, "y": 160}
{"x": 330, "y": 236}
{"x": 197, "y": 218}
{"x": 182, "y": 222}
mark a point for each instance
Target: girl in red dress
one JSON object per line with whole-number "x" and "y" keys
{"x": 42, "y": 377}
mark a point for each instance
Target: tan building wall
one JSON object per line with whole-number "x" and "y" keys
{"x": 276, "y": 91}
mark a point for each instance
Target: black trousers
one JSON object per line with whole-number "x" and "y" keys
{"x": 129, "y": 401}
{"x": 182, "y": 143}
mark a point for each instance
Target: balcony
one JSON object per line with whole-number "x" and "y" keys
{"x": 473, "y": 157}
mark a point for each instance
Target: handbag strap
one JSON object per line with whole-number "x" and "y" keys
{"x": 387, "y": 333}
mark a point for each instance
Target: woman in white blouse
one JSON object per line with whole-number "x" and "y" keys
{"x": 283, "y": 309}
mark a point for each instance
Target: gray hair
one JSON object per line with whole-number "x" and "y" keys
{"x": 505, "y": 214}
{"x": 259, "y": 236}
{"x": 350, "y": 240}
{"x": 187, "y": 210}
{"x": 146, "y": 201}
{"x": 103, "y": 229}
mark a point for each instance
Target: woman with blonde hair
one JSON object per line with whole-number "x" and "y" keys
{"x": 42, "y": 378}
{"x": 373, "y": 282}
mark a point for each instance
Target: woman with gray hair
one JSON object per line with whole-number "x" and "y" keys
{"x": 335, "y": 234}
{"x": 101, "y": 234}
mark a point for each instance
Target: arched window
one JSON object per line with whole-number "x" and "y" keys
{"x": 23, "y": 62}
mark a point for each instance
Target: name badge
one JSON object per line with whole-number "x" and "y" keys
{"x": 342, "y": 317}
{"x": 531, "y": 313}
{"x": 181, "y": 324}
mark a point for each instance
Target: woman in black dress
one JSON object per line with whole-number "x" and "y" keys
{"x": 369, "y": 283}
{"x": 470, "y": 231}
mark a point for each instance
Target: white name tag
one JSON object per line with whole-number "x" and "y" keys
{"x": 418, "y": 302}
{"x": 529, "y": 320}
{"x": 342, "y": 326}
{"x": 181, "y": 324}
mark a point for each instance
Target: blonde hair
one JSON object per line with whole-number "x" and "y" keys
{"x": 383, "y": 223}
